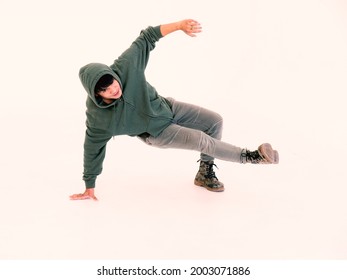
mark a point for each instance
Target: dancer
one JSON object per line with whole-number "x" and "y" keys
{"x": 121, "y": 102}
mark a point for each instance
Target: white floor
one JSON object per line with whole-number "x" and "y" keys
{"x": 276, "y": 83}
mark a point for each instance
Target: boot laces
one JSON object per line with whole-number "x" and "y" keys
{"x": 253, "y": 157}
{"x": 210, "y": 174}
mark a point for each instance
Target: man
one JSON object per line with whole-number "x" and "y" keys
{"x": 121, "y": 102}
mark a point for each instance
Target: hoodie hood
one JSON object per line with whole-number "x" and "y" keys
{"x": 90, "y": 75}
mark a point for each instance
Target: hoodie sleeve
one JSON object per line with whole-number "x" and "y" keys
{"x": 94, "y": 154}
{"x": 137, "y": 54}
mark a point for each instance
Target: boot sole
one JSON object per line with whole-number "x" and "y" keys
{"x": 208, "y": 188}
{"x": 269, "y": 154}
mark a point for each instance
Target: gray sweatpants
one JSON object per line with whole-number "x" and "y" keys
{"x": 198, "y": 129}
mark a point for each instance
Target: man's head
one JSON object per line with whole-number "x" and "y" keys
{"x": 101, "y": 83}
{"x": 108, "y": 89}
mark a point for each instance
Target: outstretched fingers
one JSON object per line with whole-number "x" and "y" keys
{"x": 191, "y": 27}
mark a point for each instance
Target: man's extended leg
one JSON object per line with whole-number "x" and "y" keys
{"x": 199, "y": 129}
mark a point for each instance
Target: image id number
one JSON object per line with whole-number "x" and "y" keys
{"x": 220, "y": 271}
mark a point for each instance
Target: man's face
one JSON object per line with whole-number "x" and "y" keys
{"x": 111, "y": 93}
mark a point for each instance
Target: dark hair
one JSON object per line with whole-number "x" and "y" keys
{"x": 104, "y": 82}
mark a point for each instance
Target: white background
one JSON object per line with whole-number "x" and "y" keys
{"x": 275, "y": 70}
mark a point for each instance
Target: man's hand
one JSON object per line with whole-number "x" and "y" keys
{"x": 188, "y": 26}
{"x": 88, "y": 194}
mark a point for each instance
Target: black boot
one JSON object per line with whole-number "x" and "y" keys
{"x": 264, "y": 155}
{"x": 206, "y": 177}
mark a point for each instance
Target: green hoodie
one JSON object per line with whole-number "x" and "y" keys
{"x": 139, "y": 110}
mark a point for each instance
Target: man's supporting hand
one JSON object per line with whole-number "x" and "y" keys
{"x": 88, "y": 194}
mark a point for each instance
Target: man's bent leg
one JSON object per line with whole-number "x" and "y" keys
{"x": 198, "y": 118}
